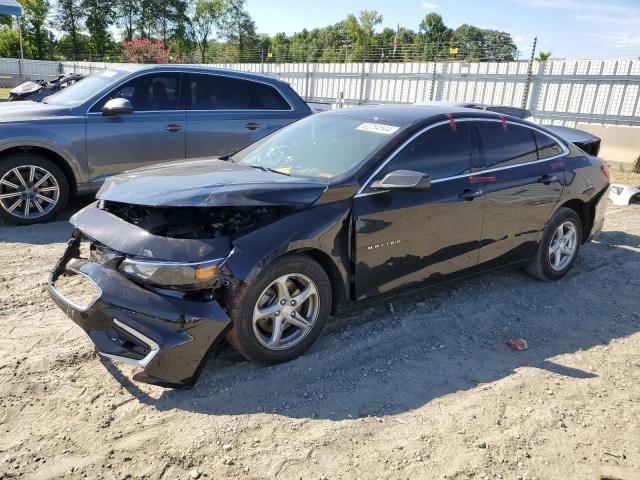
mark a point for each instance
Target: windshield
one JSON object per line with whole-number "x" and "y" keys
{"x": 85, "y": 89}
{"x": 318, "y": 146}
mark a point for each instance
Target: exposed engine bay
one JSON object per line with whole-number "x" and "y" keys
{"x": 196, "y": 222}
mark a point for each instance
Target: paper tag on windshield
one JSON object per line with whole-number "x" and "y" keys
{"x": 378, "y": 128}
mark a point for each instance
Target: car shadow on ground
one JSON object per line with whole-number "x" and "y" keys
{"x": 375, "y": 362}
{"x": 55, "y": 232}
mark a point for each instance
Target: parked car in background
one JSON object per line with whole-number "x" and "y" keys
{"x": 119, "y": 119}
{"x": 581, "y": 139}
{"x": 341, "y": 207}
{"x": 38, "y": 90}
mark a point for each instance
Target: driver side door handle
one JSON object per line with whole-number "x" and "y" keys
{"x": 174, "y": 127}
{"x": 548, "y": 179}
{"x": 252, "y": 126}
{"x": 470, "y": 195}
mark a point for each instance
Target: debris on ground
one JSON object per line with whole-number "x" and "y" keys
{"x": 518, "y": 345}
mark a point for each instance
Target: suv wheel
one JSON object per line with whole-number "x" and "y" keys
{"x": 33, "y": 189}
{"x": 559, "y": 247}
{"x": 279, "y": 315}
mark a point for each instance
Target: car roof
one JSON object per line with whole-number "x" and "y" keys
{"x": 407, "y": 114}
{"x": 197, "y": 69}
{"x": 446, "y": 103}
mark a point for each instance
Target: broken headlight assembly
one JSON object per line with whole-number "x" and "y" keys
{"x": 171, "y": 274}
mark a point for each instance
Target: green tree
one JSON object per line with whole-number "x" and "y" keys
{"x": 544, "y": 56}
{"x": 33, "y": 21}
{"x": 360, "y": 33}
{"x": 238, "y": 27}
{"x": 128, "y": 12}
{"x": 65, "y": 44}
{"x": 434, "y": 36}
{"x": 100, "y": 16}
{"x": 171, "y": 20}
{"x": 69, "y": 17}
{"x": 9, "y": 42}
{"x": 206, "y": 17}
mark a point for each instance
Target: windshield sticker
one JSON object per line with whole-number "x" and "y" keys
{"x": 109, "y": 73}
{"x": 378, "y": 128}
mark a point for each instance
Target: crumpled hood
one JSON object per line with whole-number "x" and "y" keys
{"x": 29, "y": 110}
{"x": 209, "y": 183}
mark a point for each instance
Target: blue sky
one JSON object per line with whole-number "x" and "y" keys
{"x": 569, "y": 28}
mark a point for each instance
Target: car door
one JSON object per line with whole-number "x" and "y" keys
{"x": 406, "y": 238}
{"x": 524, "y": 173}
{"x": 153, "y": 133}
{"x": 223, "y": 115}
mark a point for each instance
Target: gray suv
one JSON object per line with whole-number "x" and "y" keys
{"x": 119, "y": 119}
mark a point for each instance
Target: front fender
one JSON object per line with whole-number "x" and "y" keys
{"x": 323, "y": 228}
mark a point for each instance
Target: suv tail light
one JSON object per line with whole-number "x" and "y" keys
{"x": 605, "y": 170}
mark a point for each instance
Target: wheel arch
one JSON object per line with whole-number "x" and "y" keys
{"x": 338, "y": 288}
{"x": 585, "y": 211}
{"x": 49, "y": 154}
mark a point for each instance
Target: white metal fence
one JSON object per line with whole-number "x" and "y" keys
{"x": 560, "y": 92}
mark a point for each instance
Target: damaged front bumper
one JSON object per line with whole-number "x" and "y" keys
{"x": 167, "y": 336}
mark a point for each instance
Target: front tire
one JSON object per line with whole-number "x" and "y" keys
{"x": 559, "y": 247}
{"x": 33, "y": 189}
{"x": 282, "y": 312}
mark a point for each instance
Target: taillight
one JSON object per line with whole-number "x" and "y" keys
{"x": 605, "y": 170}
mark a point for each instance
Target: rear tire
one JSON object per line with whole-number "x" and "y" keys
{"x": 33, "y": 189}
{"x": 281, "y": 313}
{"x": 559, "y": 247}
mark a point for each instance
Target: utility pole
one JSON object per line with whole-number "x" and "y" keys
{"x": 527, "y": 85}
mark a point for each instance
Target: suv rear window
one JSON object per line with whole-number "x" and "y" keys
{"x": 218, "y": 92}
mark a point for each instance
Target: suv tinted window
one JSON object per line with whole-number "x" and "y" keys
{"x": 506, "y": 144}
{"x": 217, "y": 92}
{"x": 158, "y": 91}
{"x": 547, "y": 146}
{"x": 441, "y": 152}
{"x": 269, "y": 97}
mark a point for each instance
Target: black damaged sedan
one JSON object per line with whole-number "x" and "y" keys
{"x": 260, "y": 247}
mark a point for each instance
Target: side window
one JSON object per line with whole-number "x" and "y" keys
{"x": 506, "y": 144}
{"x": 159, "y": 91}
{"x": 547, "y": 146}
{"x": 269, "y": 98}
{"x": 216, "y": 92}
{"x": 441, "y": 152}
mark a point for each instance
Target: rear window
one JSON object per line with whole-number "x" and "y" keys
{"x": 269, "y": 98}
{"x": 547, "y": 146}
{"x": 217, "y": 92}
{"x": 506, "y": 144}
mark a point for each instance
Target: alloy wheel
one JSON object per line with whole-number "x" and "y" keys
{"x": 28, "y": 192}
{"x": 563, "y": 246}
{"x": 286, "y": 311}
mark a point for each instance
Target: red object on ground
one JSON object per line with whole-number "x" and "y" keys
{"x": 518, "y": 345}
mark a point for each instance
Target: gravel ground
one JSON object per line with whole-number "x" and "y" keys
{"x": 426, "y": 388}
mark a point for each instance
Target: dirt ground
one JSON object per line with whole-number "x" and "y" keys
{"x": 426, "y": 388}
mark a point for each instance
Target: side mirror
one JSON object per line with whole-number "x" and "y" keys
{"x": 403, "y": 180}
{"x": 117, "y": 106}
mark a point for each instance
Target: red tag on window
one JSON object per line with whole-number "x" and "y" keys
{"x": 452, "y": 122}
